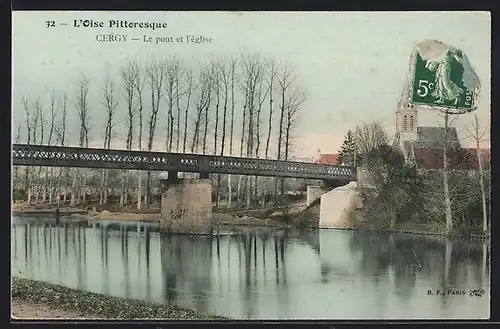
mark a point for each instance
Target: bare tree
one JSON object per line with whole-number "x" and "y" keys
{"x": 110, "y": 103}
{"x": 172, "y": 79}
{"x": 208, "y": 75}
{"x": 103, "y": 195}
{"x": 224, "y": 81}
{"x": 232, "y": 69}
{"x": 285, "y": 78}
{"x": 39, "y": 119}
{"x": 27, "y": 110}
{"x": 182, "y": 76}
{"x": 62, "y": 138}
{"x": 18, "y": 133}
{"x": 189, "y": 92}
{"x": 83, "y": 110}
{"x": 156, "y": 72}
{"x": 202, "y": 103}
{"x": 35, "y": 180}
{"x": 253, "y": 69}
{"x": 52, "y": 116}
{"x": 82, "y": 90}
{"x": 51, "y": 132}
{"x": 33, "y": 176}
{"x": 139, "y": 82}
{"x": 242, "y": 139}
{"x": 197, "y": 120}
{"x": 128, "y": 75}
{"x": 128, "y": 78}
{"x": 294, "y": 103}
{"x": 261, "y": 97}
{"x": 478, "y": 138}
{"x": 16, "y": 181}
{"x": 216, "y": 85}
{"x": 369, "y": 136}
{"x": 461, "y": 191}
{"x": 270, "y": 84}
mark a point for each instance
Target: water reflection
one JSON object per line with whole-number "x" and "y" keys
{"x": 259, "y": 273}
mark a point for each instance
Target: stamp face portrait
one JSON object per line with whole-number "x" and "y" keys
{"x": 251, "y": 165}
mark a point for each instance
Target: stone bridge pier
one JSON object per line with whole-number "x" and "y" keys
{"x": 186, "y": 205}
{"x": 314, "y": 192}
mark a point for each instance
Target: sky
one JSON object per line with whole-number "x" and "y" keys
{"x": 350, "y": 65}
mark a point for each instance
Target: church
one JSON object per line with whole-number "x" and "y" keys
{"x": 423, "y": 146}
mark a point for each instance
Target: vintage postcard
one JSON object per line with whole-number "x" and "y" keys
{"x": 251, "y": 165}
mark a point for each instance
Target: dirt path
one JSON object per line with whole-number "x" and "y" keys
{"x": 26, "y": 311}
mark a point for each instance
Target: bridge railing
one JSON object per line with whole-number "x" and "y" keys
{"x": 60, "y": 156}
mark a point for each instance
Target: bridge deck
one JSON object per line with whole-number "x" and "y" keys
{"x": 59, "y": 156}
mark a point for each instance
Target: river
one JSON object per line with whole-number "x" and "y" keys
{"x": 260, "y": 273}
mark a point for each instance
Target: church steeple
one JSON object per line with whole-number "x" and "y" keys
{"x": 406, "y": 116}
{"x": 406, "y": 124}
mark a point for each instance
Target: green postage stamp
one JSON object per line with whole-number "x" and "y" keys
{"x": 442, "y": 78}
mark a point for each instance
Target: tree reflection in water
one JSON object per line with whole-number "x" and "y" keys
{"x": 440, "y": 259}
{"x": 257, "y": 272}
{"x": 186, "y": 263}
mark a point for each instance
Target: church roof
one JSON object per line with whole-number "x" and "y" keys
{"x": 434, "y": 137}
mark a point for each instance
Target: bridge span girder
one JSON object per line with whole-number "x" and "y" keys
{"x": 59, "y": 156}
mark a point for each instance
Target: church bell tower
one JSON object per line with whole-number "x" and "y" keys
{"x": 406, "y": 119}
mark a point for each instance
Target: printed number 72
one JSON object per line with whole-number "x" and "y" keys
{"x": 50, "y": 23}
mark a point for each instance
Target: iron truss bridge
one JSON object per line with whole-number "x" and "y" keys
{"x": 59, "y": 156}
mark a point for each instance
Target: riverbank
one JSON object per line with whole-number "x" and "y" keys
{"x": 296, "y": 215}
{"x": 22, "y": 208}
{"x": 417, "y": 228}
{"x": 39, "y": 300}
{"x": 266, "y": 217}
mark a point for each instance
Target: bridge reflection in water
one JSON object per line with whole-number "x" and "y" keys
{"x": 259, "y": 273}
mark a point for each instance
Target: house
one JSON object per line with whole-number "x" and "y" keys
{"x": 458, "y": 159}
{"x": 330, "y": 159}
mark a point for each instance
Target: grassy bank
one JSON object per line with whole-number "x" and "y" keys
{"x": 105, "y": 307}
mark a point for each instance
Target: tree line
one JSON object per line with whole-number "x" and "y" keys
{"x": 450, "y": 198}
{"x": 204, "y": 110}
